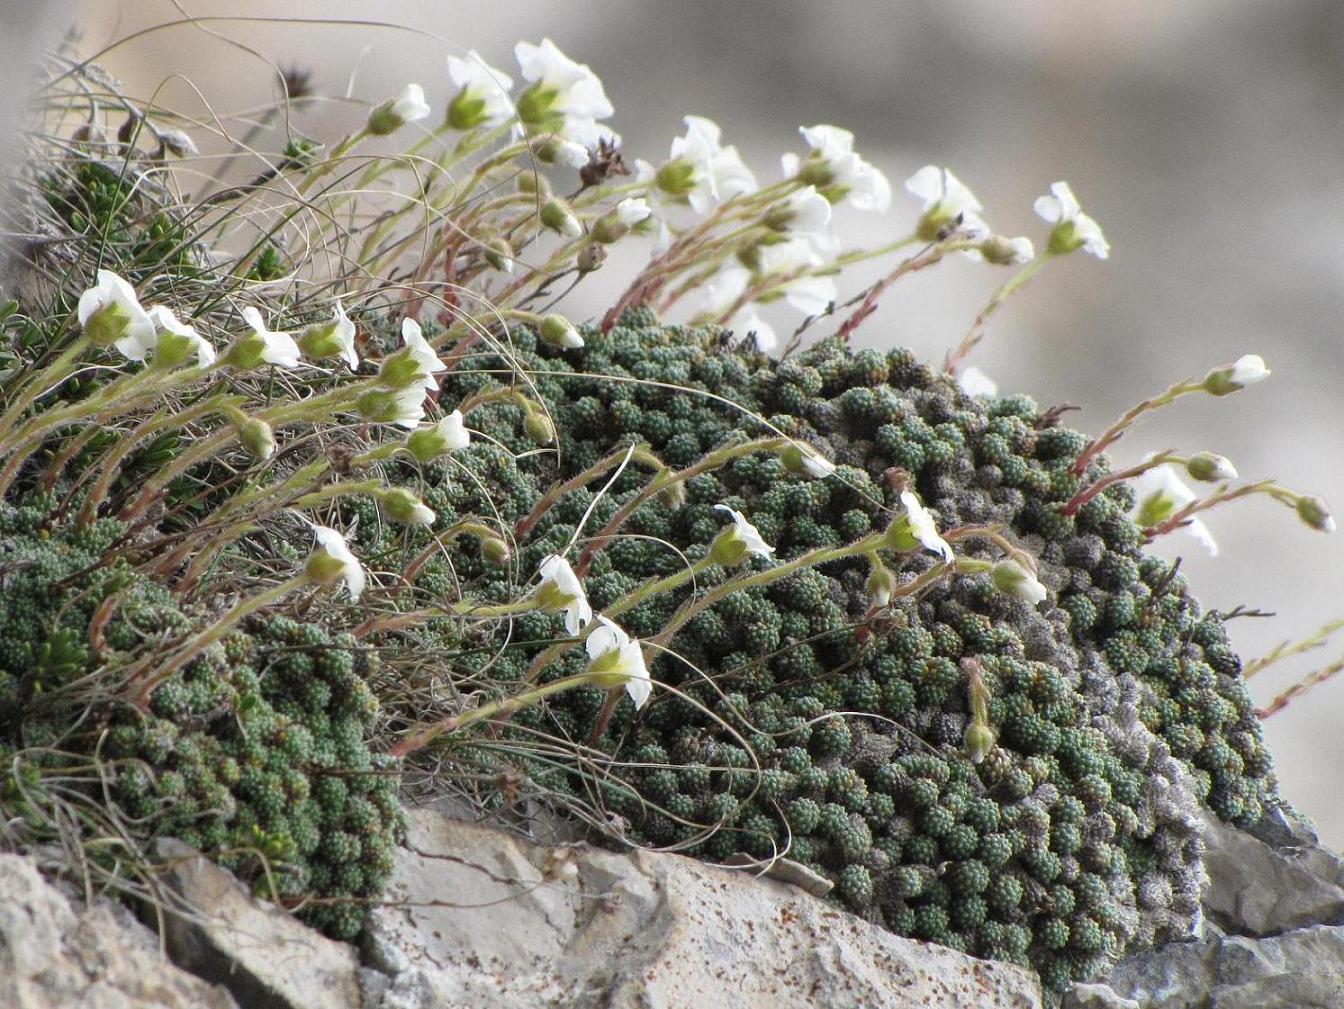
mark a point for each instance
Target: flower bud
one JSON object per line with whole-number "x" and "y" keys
{"x": 616, "y": 224}
{"x": 557, "y": 216}
{"x": 805, "y": 461}
{"x": 408, "y": 107}
{"x": 1001, "y": 251}
{"x": 590, "y": 258}
{"x": 555, "y": 150}
{"x": 676, "y": 178}
{"x": 499, "y": 253}
{"x": 673, "y": 495}
{"x": 538, "y": 427}
{"x": 1245, "y": 371}
{"x": 400, "y": 505}
{"x": 533, "y": 182}
{"x": 978, "y": 740}
{"x": 495, "y": 551}
{"x": 1316, "y": 513}
{"x": 1012, "y": 579}
{"x": 558, "y": 331}
{"x": 880, "y": 585}
{"x": 1209, "y": 468}
{"x": 257, "y": 437}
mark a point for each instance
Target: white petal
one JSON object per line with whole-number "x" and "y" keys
{"x": 974, "y": 382}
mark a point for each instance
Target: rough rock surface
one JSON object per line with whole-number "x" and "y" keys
{"x": 485, "y": 921}
{"x": 493, "y": 923}
{"x": 1274, "y": 903}
{"x": 54, "y": 955}
{"x": 267, "y": 958}
{"x": 1262, "y": 887}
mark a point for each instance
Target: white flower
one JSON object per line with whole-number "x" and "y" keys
{"x": 569, "y": 154}
{"x": 561, "y": 591}
{"x": 631, "y": 211}
{"x": 265, "y": 345}
{"x": 837, "y": 171}
{"x": 408, "y": 107}
{"x": 618, "y": 661}
{"x": 448, "y": 435}
{"x": 700, "y": 170}
{"x": 454, "y": 433}
{"x": 810, "y": 295}
{"x": 805, "y": 212}
{"x": 1072, "y": 228}
{"x": 733, "y": 546}
{"x": 332, "y": 561}
{"x": 1012, "y": 579}
{"x": 483, "y": 93}
{"x": 560, "y": 92}
{"x": 1248, "y": 370}
{"x": 421, "y": 352}
{"x": 331, "y": 339}
{"x": 1159, "y": 494}
{"x": 762, "y": 335}
{"x": 974, "y": 382}
{"x": 589, "y": 134}
{"x": 917, "y": 527}
{"x": 948, "y": 204}
{"x": 175, "y": 339}
{"x": 110, "y": 314}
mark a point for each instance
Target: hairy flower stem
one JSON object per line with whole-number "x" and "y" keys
{"x": 55, "y": 373}
{"x": 1180, "y": 517}
{"x": 110, "y": 466}
{"x": 664, "y": 480}
{"x": 211, "y": 634}
{"x": 927, "y": 257}
{"x": 641, "y": 455}
{"x": 1287, "y": 649}
{"x": 502, "y": 708}
{"x": 977, "y": 331}
{"x": 1119, "y": 476}
{"x": 1113, "y": 433}
{"x": 468, "y": 527}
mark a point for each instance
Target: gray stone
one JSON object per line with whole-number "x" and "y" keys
{"x": 1301, "y": 968}
{"x": 266, "y": 957}
{"x": 55, "y": 956}
{"x": 1096, "y": 996}
{"x": 1257, "y": 888}
{"x": 494, "y": 923}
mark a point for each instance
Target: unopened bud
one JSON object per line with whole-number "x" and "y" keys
{"x": 978, "y": 740}
{"x": 1001, "y": 251}
{"x": 1246, "y": 371}
{"x": 400, "y": 505}
{"x": 1012, "y": 579}
{"x": 533, "y": 182}
{"x": 1209, "y": 468}
{"x": 257, "y": 437}
{"x": 558, "y": 331}
{"x": 553, "y": 150}
{"x": 538, "y": 427}
{"x": 499, "y": 254}
{"x": 590, "y": 258}
{"x": 880, "y": 586}
{"x": 673, "y": 495}
{"x": 495, "y": 551}
{"x": 557, "y": 216}
{"x": 1316, "y": 513}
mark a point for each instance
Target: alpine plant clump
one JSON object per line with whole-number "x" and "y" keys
{"x": 255, "y": 752}
{"x": 311, "y": 495}
{"x": 799, "y": 718}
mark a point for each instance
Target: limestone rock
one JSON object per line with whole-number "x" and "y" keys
{"x": 265, "y": 956}
{"x": 1301, "y": 969}
{"x": 1261, "y": 887}
{"x": 56, "y": 956}
{"x": 494, "y": 923}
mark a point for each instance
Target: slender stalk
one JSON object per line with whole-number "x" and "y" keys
{"x": 977, "y": 331}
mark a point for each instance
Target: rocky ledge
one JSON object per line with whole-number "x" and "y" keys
{"x": 478, "y": 918}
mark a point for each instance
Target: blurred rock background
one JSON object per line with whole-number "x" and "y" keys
{"x": 1205, "y": 136}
